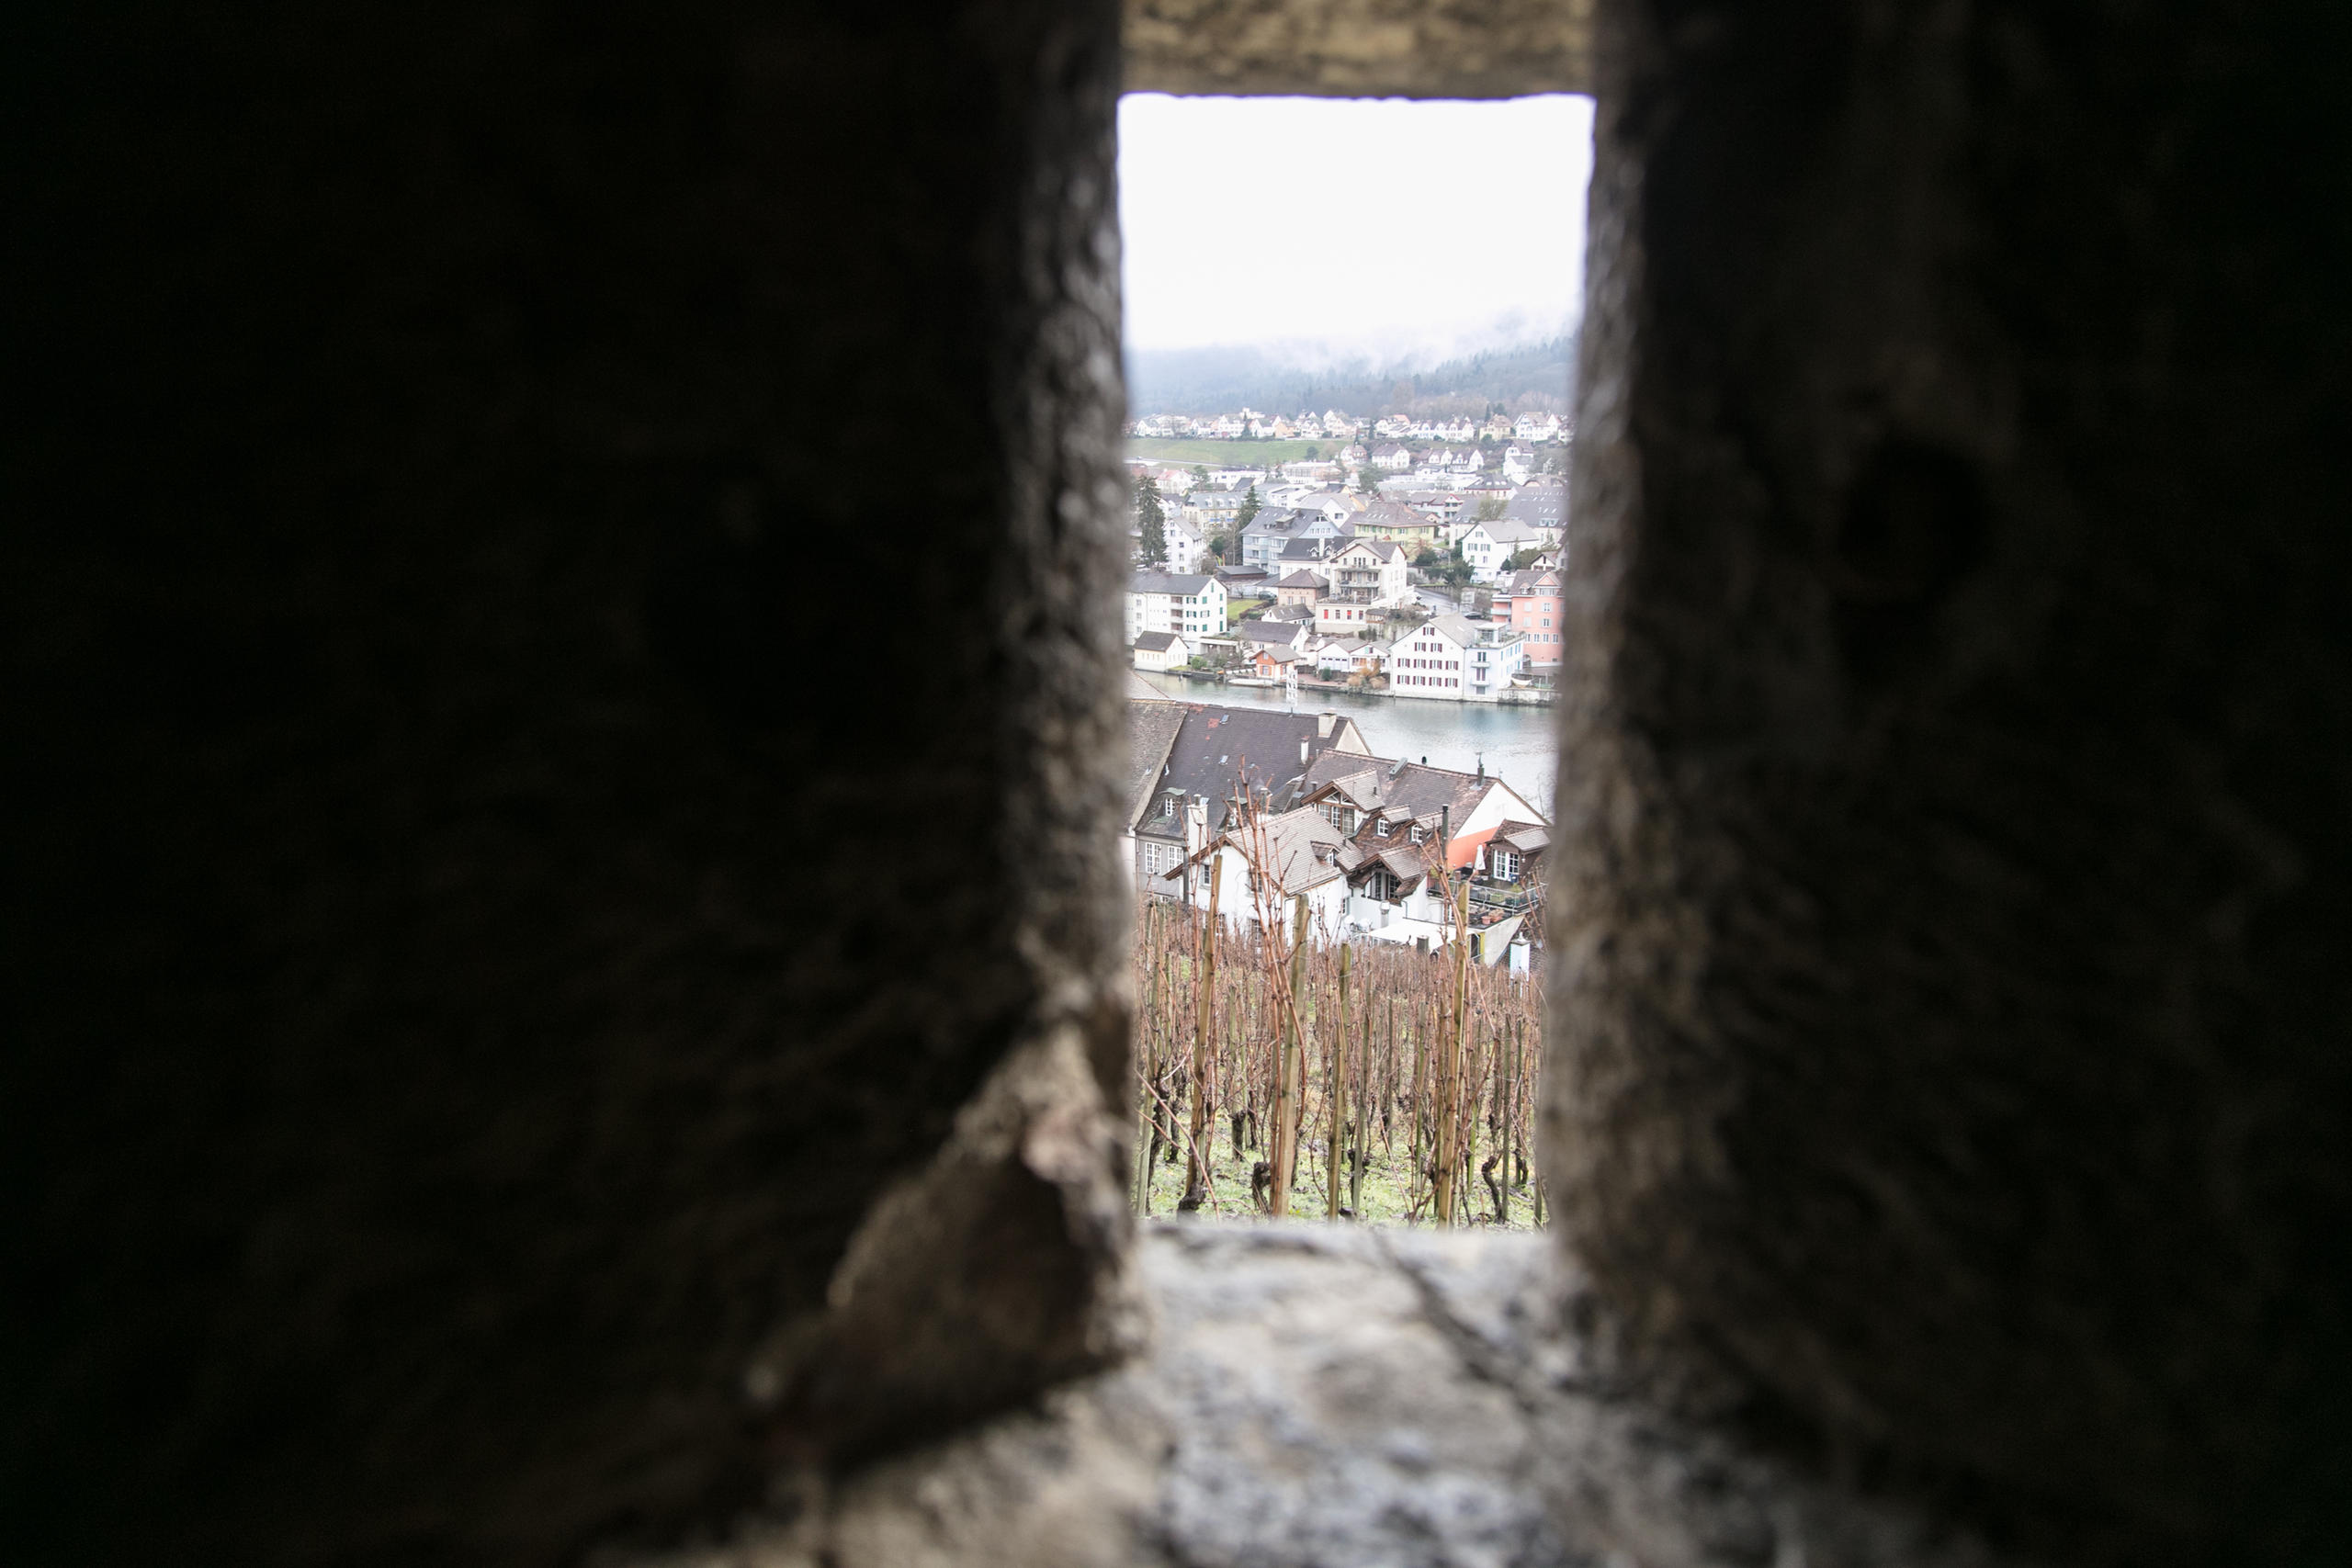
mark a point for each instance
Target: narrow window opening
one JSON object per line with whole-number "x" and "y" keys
{"x": 1351, "y": 328}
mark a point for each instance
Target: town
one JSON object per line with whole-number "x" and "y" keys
{"x": 1379, "y": 922}
{"x": 1418, "y": 558}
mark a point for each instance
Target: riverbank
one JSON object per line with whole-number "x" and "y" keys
{"x": 1515, "y": 740}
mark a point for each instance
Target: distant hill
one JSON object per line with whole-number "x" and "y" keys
{"x": 1525, "y": 379}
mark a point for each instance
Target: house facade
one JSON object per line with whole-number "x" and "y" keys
{"x": 1488, "y": 546}
{"x": 1370, "y": 573}
{"x": 1268, "y": 534}
{"x": 1414, "y": 837}
{"x": 1450, "y": 658}
{"x": 1162, "y": 650}
{"x": 1258, "y": 867}
{"x": 1188, "y": 604}
{"x": 1528, "y": 602}
{"x": 1302, "y": 587}
{"x": 1399, "y": 524}
{"x": 1209, "y": 510}
{"x": 1189, "y": 772}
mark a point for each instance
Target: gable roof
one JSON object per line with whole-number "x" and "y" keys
{"x": 1390, "y": 515}
{"x": 1541, "y": 504}
{"x": 1157, "y": 642}
{"x": 1382, "y": 549}
{"x": 1302, "y": 578}
{"x": 1412, "y": 792}
{"x": 1510, "y": 530}
{"x": 1152, "y": 728}
{"x": 1279, "y": 632}
{"x": 1221, "y": 750}
{"x": 1165, "y": 582}
{"x": 1301, "y": 850}
{"x": 1275, "y": 520}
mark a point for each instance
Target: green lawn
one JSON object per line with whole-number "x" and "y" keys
{"x": 1230, "y": 454}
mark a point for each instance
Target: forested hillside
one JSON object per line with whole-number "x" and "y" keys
{"x": 1212, "y": 380}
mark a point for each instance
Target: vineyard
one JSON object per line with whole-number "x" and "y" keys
{"x": 1282, "y": 1072}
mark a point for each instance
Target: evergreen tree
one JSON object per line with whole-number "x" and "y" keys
{"x": 1249, "y": 505}
{"x": 1154, "y": 518}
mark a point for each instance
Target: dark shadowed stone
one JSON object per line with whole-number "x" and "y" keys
{"x": 1953, "y": 1081}
{"x": 559, "y": 633}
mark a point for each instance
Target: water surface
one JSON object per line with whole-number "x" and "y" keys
{"x": 1516, "y": 742}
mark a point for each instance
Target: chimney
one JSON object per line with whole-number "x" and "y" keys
{"x": 1323, "y": 723}
{"x": 1302, "y": 752}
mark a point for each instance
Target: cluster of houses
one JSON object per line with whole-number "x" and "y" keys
{"x": 1338, "y": 569}
{"x": 1246, "y": 810}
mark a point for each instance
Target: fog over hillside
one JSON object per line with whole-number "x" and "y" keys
{"x": 1283, "y": 378}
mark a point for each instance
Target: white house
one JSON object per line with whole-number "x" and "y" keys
{"x": 1401, "y": 821}
{"x": 1392, "y": 458}
{"x": 1342, "y": 617}
{"x": 1210, "y": 509}
{"x": 1450, "y": 658}
{"x": 1162, "y": 650}
{"x": 1488, "y": 545}
{"x": 1268, "y": 535}
{"x": 1186, "y": 545}
{"x": 1338, "y": 657}
{"x": 1191, "y": 605}
{"x": 1287, "y": 635}
{"x": 1260, "y": 864}
{"x": 1371, "y": 572}
{"x": 1537, "y": 427}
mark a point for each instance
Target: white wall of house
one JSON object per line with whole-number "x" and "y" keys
{"x": 1394, "y": 585}
{"x": 1174, "y": 656}
{"x": 1429, "y": 661}
{"x": 1327, "y": 903}
{"x": 1189, "y": 615}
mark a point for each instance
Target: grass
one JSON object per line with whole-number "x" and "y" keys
{"x": 1230, "y": 454}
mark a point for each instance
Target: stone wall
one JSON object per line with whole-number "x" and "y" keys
{"x": 1951, "y": 1080}
{"x": 490, "y": 908}
{"x": 1417, "y": 49}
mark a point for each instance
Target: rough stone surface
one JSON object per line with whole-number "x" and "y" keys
{"x": 1953, "y": 876}
{"x": 487, "y": 914}
{"x": 1323, "y": 1398}
{"x": 1360, "y": 48}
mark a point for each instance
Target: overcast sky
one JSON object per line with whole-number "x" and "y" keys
{"x": 1359, "y": 224}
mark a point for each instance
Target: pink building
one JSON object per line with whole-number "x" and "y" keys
{"x": 1529, "y": 603}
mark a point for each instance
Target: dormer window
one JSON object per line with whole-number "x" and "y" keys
{"x": 1419, "y": 832}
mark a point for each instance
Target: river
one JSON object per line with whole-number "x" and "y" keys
{"x": 1516, "y": 742}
